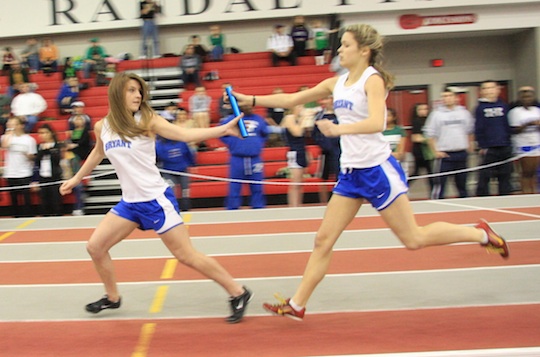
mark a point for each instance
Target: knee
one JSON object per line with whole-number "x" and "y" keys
{"x": 412, "y": 242}
{"x": 322, "y": 243}
{"x": 95, "y": 251}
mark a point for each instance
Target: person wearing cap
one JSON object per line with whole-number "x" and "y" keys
{"x": 77, "y": 109}
{"x": 69, "y": 93}
{"x": 94, "y": 59}
{"x": 281, "y": 46}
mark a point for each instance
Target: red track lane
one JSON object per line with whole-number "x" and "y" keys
{"x": 321, "y": 334}
{"x": 269, "y": 227}
{"x": 292, "y": 264}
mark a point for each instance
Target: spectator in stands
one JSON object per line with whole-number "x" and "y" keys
{"x": 190, "y": 64}
{"x": 224, "y": 106}
{"x": 30, "y": 55}
{"x": 69, "y": 93}
{"x": 169, "y": 112}
{"x": 77, "y": 108}
{"x": 330, "y": 148}
{"x": 69, "y": 70}
{"x": 8, "y": 59}
{"x": 18, "y": 75}
{"x": 281, "y": 46}
{"x": 79, "y": 141}
{"x": 492, "y": 133}
{"x": 297, "y": 157}
{"x": 48, "y": 56}
{"x": 525, "y": 122}
{"x": 274, "y": 116}
{"x": 20, "y": 150}
{"x": 28, "y": 105}
{"x": 178, "y": 157}
{"x": 47, "y": 170}
{"x": 450, "y": 130}
{"x": 320, "y": 35}
{"x": 149, "y": 30}
{"x": 198, "y": 47}
{"x": 71, "y": 164}
{"x": 199, "y": 107}
{"x": 423, "y": 155}
{"x": 126, "y": 136}
{"x": 217, "y": 43}
{"x": 5, "y": 110}
{"x": 94, "y": 60}
{"x": 300, "y": 36}
{"x": 245, "y": 160}
{"x": 396, "y": 137}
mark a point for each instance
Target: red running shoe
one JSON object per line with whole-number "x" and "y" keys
{"x": 496, "y": 243}
{"x": 284, "y": 309}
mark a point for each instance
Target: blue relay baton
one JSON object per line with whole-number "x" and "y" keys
{"x": 236, "y": 111}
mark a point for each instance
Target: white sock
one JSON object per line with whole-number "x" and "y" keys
{"x": 295, "y": 306}
{"x": 485, "y": 238}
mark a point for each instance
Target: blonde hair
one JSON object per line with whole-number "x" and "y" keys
{"x": 120, "y": 118}
{"x": 366, "y": 35}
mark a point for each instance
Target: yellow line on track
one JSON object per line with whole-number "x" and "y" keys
{"x": 169, "y": 269}
{"x": 20, "y": 226}
{"x": 159, "y": 299}
{"x": 147, "y": 332}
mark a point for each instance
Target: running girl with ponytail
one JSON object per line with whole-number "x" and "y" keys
{"x": 368, "y": 170}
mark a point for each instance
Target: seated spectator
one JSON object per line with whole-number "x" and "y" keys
{"x": 94, "y": 61}
{"x": 190, "y": 64}
{"x": 8, "y": 59}
{"x": 48, "y": 56}
{"x": 77, "y": 108}
{"x": 28, "y": 105}
{"x": 217, "y": 43}
{"x": 69, "y": 93}
{"x": 280, "y": 46}
{"x": 198, "y": 47}
{"x": 69, "y": 69}
{"x": 17, "y": 76}
{"x": 30, "y": 55}
{"x": 169, "y": 112}
{"x": 199, "y": 107}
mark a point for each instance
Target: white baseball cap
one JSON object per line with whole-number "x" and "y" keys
{"x": 77, "y": 104}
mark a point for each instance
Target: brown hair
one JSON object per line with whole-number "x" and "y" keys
{"x": 120, "y": 118}
{"x": 366, "y": 35}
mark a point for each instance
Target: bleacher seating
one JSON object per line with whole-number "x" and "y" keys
{"x": 247, "y": 72}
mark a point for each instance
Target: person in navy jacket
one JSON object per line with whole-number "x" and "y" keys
{"x": 176, "y": 156}
{"x": 493, "y": 132}
{"x": 245, "y": 160}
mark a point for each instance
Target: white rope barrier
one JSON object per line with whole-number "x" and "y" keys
{"x": 276, "y": 183}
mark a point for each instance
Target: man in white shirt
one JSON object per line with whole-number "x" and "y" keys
{"x": 28, "y": 105}
{"x": 281, "y": 47}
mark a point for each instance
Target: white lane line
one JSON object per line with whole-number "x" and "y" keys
{"x": 499, "y": 210}
{"x": 348, "y": 275}
{"x": 238, "y": 254}
{"x": 265, "y": 314}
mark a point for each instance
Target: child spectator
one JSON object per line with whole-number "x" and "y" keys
{"x": 320, "y": 37}
{"x": 70, "y": 164}
{"x": 217, "y": 43}
{"x": 69, "y": 69}
{"x": 199, "y": 107}
{"x": 190, "y": 64}
{"x": 79, "y": 141}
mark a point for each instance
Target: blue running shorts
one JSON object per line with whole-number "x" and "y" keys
{"x": 380, "y": 185}
{"x": 160, "y": 214}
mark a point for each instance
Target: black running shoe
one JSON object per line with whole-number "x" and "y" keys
{"x": 238, "y": 306}
{"x": 102, "y": 304}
